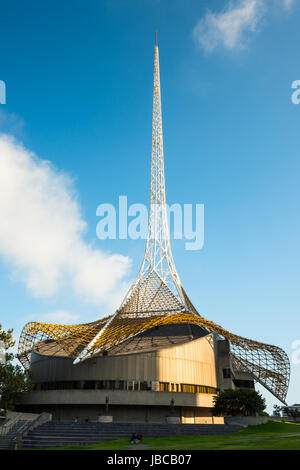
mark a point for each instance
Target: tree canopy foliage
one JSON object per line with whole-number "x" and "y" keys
{"x": 13, "y": 378}
{"x": 239, "y": 402}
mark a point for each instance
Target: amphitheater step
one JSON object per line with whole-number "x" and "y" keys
{"x": 65, "y": 433}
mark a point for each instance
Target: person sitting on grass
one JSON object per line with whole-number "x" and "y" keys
{"x": 133, "y": 439}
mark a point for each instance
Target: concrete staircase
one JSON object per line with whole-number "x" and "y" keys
{"x": 7, "y": 441}
{"x": 66, "y": 433}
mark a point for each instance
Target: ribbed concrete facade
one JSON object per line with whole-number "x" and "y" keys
{"x": 189, "y": 363}
{"x": 181, "y": 380}
{"x": 165, "y": 372}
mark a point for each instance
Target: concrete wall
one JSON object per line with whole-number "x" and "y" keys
{"x": 24, "y": 417}
{"x": 247, "y": 420}
{"x": 116, "y": 397}
{"x": 191, "y": 363}
{"x": 199, "y": 362}
{"x": 129, "y": 413}
{"x": 224, "y": 361}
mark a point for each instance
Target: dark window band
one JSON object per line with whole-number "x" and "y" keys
{"x": 125, "y": 385}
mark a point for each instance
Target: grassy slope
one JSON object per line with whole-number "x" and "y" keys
{"x": 264, "y": 436}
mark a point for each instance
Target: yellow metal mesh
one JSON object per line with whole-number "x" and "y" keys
{"x": 268, "y": 364}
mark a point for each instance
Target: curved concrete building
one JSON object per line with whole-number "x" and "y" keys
{"x": 165, "y": 371}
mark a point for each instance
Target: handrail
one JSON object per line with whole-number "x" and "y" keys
{"x": 28, "y": 426}
{"x": 6, "y": 428}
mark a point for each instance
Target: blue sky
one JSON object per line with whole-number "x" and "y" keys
{"x": 79, "y": 95}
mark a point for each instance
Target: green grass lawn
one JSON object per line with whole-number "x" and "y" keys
{"x": 267, "y": 436}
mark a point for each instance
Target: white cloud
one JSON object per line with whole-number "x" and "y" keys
{"x": 228, "y": 28}
{"x": 231, "y": 28}
{"x": 288, "y": 3}
{"x": 41, "y": 231}
{"x": 59, "y": 317}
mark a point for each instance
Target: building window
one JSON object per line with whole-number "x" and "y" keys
{"x": 145, "y": 386}
{"x": 188, "y": 388}
{"x": 89, "y": 385}
{"x": 163, "y": 386}
{"x": 226, "y": 373}
{"x": 191, "y": 388}
{"x": 175, "y": 387}
{"x": 102, "y": 384}
{"x": 134, "y": 385}
{"x": 130, "y": 385}
{"x": 120, "y": 384}
{"x": 244, "y": 383}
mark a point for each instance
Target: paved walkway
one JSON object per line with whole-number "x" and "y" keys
{"x": 139, "y": 446}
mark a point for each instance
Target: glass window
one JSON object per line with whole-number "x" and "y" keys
{"x": 163, "y": 386}
{"x": 134, "y": 385}
{"x": 100, "y": 385}
{"x": 226, "y": 373}
{"x": 145, "y": 385}
{"x": 120, "y": 384}
{"x": 130, "y": 385}
{"x": 111, "y": 384}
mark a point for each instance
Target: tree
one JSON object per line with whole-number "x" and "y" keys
{"x": 240, "y": 402}
{"x": 277, "y": 410}
{"x": 290, "y": 411}
{"x": 13, "y": 378}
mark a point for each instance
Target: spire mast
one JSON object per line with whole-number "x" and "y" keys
{"x": 158, "y": 255}
{"x": 157, "y": 285}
